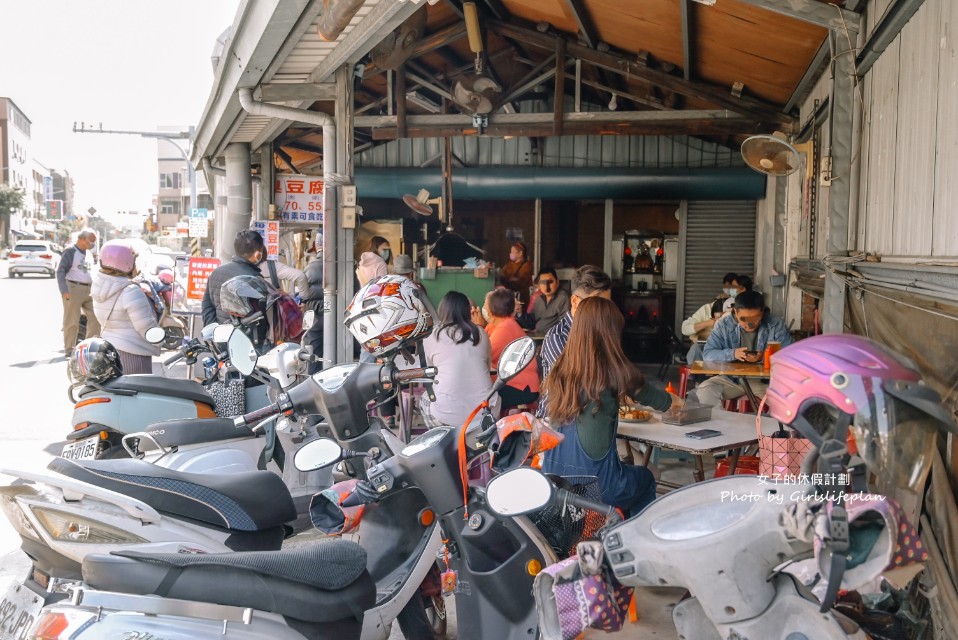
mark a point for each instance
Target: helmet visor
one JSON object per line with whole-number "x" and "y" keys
{"x": 897, "y": 442}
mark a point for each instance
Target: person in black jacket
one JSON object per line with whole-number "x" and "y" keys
{"x": 249, "y": 252}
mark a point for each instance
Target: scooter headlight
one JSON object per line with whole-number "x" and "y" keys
{"x": 68, "y": 527}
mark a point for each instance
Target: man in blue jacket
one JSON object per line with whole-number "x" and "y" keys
{"x": 740, "y": 336}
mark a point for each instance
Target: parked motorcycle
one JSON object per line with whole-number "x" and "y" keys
{"x": 489, "y": 562}
{"x": 725, "y": 552}
{"x": 159, "y": 291}
{"x": 106, "y": 412}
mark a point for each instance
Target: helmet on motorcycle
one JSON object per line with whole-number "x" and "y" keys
{"x": 387, "y": 313}
{"x": 893, "y": 416}
{"x": 118, "y": 256}
{"x": 94, "y": 361}
{"x": 242, "y": 296}
{"x": 166, "y": 275}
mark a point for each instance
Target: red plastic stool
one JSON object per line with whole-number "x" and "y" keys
{"x": 744, "y": 406}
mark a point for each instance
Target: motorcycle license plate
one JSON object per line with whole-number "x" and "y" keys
{"x": 81, "y": 450}
{"x": 18, "y": 611}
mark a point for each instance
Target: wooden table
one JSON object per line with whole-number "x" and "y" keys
{"x": 738, "y": 432}
{"x": 740, "y": 370}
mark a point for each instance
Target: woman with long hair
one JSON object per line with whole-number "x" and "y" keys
{"x": 589, "y": 380}
{"x": 460, "y": 351}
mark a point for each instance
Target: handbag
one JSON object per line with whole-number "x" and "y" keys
{"x": 780, "y": 454}
{"x": 229, "y": 396}
{"x": 569, "y": 601}
{"x": 288, "y": 315}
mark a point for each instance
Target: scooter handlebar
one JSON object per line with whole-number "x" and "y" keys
{"x": 259, "y": 414}
{"x": 412, "y": 374}
{"x": 179, "y": 355}
{"x": 585, "y": 503}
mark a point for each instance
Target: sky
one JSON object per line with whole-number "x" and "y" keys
{"x": 128, "y": 64}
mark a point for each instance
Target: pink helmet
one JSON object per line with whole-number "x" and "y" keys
{"x": 117, "y": 255}
{"x": 893, "y": 415}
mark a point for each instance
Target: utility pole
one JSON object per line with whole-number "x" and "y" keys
{"x": 170, "y": 136}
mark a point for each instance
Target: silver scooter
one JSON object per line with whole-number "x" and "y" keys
{"x": 493, "y": 560}
{"x": 723, "y": 539}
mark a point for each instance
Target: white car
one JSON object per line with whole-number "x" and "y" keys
{"x": 33, "y": 256}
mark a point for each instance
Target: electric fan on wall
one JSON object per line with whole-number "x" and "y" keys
{"x": 771, "y": 155}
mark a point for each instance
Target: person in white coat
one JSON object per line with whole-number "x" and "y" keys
{"x": 123, "y": 310}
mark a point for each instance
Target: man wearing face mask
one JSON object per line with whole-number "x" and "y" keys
{"x": 249, "y": 251}
{"x": 549, "y": 306}
{"x": 372, "y": 262}
{"x": 741, "y": 337}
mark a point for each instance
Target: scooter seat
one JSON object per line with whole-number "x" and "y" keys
{"x": 324, "y": 581}
{"x": 180, "y": 433}
{"x": 247, "y": 501}
{"x": 157, "y": 385}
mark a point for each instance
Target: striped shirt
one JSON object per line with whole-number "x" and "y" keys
{"x": 552, "y": 346}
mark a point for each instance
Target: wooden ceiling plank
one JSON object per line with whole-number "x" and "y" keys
{"x": 830, "y": 16}
{"x": 619, "y": 64}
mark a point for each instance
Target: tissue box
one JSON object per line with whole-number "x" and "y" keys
{"x": 481, "y": 272}
{"x": 691, "y": 413}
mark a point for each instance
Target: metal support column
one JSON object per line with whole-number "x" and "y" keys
{"x": 342, "y": 151}
{"x": 239, "y": 197}
{"x": 841, "y": 104}
{"x": 537, "y": 236}
{"x": 607, "y": 236}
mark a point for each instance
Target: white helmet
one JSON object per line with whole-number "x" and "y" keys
{"x": 387, "y": 313}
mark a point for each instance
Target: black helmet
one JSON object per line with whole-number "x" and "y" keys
{"x": 243, "y": 295}
{"x": 94, "y": 361}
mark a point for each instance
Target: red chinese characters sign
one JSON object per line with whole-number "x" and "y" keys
{"x": 199, "y": 273}
{"x": 300, "y": 198}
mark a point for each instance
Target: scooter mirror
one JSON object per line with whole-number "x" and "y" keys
{"x": 308, "y": 319}
{"x": 242, "y": 353}
{"x": 317, "y": 454}
{"x": 222, "y": 333}
{"x": 515, "y": 357}
{"x": 155, "y": 335}
{"x": 519, "y": 491}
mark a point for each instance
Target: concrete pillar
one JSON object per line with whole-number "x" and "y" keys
{"x": 239, "y": 197}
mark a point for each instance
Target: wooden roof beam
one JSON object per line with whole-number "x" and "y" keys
{"x": 688, "y": 43}
{"x": 584, "y": 21}
{"x": 433, "y": 41}
{"x": 650, "y": 123}
{"x": 623, "y": 66}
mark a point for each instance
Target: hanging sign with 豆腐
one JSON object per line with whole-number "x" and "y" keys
{"x": 300, "y": 198}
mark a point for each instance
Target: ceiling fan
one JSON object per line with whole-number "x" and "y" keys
{"x": 475, "y": 94}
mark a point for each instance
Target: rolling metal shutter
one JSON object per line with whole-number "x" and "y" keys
{"x": 719, "y": 238}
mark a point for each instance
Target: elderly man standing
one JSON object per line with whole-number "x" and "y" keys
{"x": 74, "y": 280}
{"x": 741, "y": 337}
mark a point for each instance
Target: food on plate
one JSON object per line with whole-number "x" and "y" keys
{"x": 630, "y": 413}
